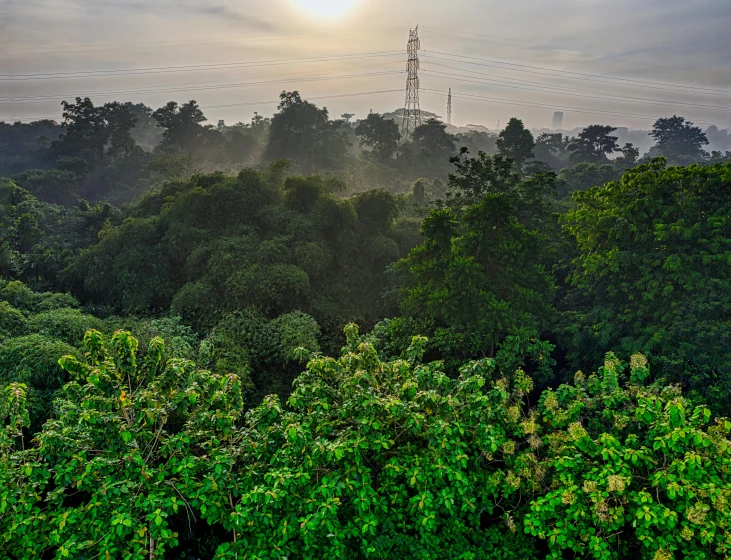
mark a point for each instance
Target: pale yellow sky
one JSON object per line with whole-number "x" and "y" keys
{"x": 622, "y": 62}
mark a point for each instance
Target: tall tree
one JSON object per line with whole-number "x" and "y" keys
{"x": 583, "y": 176}
{"x": 479, "y": 275}
{"x": 301, "y": 131}
{"x": 258, "y": 127}
{"x": 594, "y": 144}
{"x": 380, "y": 134}
{"x": 94, "y": 133}
{"x": 678, "y": 140}
{"x": 182, "y": 124}
{"x": 433, "y": 140}
{"x": 515, "y": 142}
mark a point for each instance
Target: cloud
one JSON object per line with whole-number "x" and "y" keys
{"x": 228, "y": 14}
{"x": 665, "y": 41}
{"x": 172, "y": 9}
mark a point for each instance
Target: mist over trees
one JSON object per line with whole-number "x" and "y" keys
{"x": 306, "y": 337}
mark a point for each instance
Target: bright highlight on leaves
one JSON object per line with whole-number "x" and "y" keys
{"x": 370, "y": 458}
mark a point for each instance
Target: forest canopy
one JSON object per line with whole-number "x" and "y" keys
{"x": 542, "y": 366}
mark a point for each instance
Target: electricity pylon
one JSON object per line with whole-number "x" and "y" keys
{"x": 412, "y": 110}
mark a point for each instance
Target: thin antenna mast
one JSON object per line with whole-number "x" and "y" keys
{"x": 449, "y": 107}
{"x": 412, "y": 110}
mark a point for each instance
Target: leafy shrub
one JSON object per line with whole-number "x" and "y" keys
{"x": 195, "y": 303}
{"x": 33, "y": 361}
{"x": 26, "y": 300}
{"x": 262, "y": 353}
{"x": 65, "y": 324}
{"x": 12, "y": 321}
{"x": 181, "y": 340}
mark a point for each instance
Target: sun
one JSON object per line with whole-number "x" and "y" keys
{"x": 325, "y": 8}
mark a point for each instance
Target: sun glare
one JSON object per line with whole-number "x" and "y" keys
{"x": 325, "y": 8}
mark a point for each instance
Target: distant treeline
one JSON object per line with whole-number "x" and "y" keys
{"x": 117, "y": 151}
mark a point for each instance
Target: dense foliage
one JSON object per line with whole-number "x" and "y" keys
{"x": 480, "y": 275}
{"x": 653, "y": 272}
{"x": 152, "y": 457}
{"x": 216, "y": 243}
{"x": 486, "y": 269}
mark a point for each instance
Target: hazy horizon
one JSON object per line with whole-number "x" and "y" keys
{"x": 501, "y": 60}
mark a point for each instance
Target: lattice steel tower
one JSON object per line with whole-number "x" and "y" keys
{"x": 449, "y": 107}
{"x": 412, "y": 111}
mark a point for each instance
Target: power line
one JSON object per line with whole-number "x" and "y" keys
{"x": 493, "y": 80}
{"x": 565, "y": 108}
{"x": 160, "y": 89}
{"x": 174, "y": 43}
{"x": 308, "y": 99}
{"x": 509, "y": 80}
{"x": 226, "y": 86}
{"x": 566, "y": 91}
{"x": 245, "y": 104}
{"x": 574, "y": 75}
{"x": 597, "y": 56}
{"x": 187, "y": 68}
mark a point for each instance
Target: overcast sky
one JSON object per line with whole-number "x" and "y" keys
{"x": 499, "y": 57}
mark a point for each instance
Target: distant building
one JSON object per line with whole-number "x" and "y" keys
{"x": 558, "y": 120}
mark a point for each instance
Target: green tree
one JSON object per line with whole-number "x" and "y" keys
{"x": 258, "y": 127}
{"x": 95, "y": 133}
{"x": 302, "y": 132}
{"x": 630, "y": 156}
{"x": 594, "y": 144}
{"x": 376, "y": 210}
{"x": 167, "y": 166}
{"x": 262, "y": 353}
{"x": 478, "y": 141}
{"x": 216, "y": 243}
{"x": 428, "y": 151}
{"x": 101, "y": 137}
{"x": 182, "y": 125}
{"x": 637, "y": 471}
{"x": 652, "y": 273}
{"x": 370, "y": 458}
{"x": 66, "y": 324}
{"x": 27, "y": 301}
{"x": 56, "y": 186}
{"x": 515, "y": 142}
{"x": 433, "y": 140}
{"x": 130, "y": 439}
{"x": 146, "y": 132}
{"x": 33, "y": 361}
{"x": 678, "y": 140}
{"x": 12, "y": 321}
{"x": 553, "y": 149}
{"x": 380, "y": 134}
{"x": 480, "y": 275}
{"x": 26, "y": 145}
